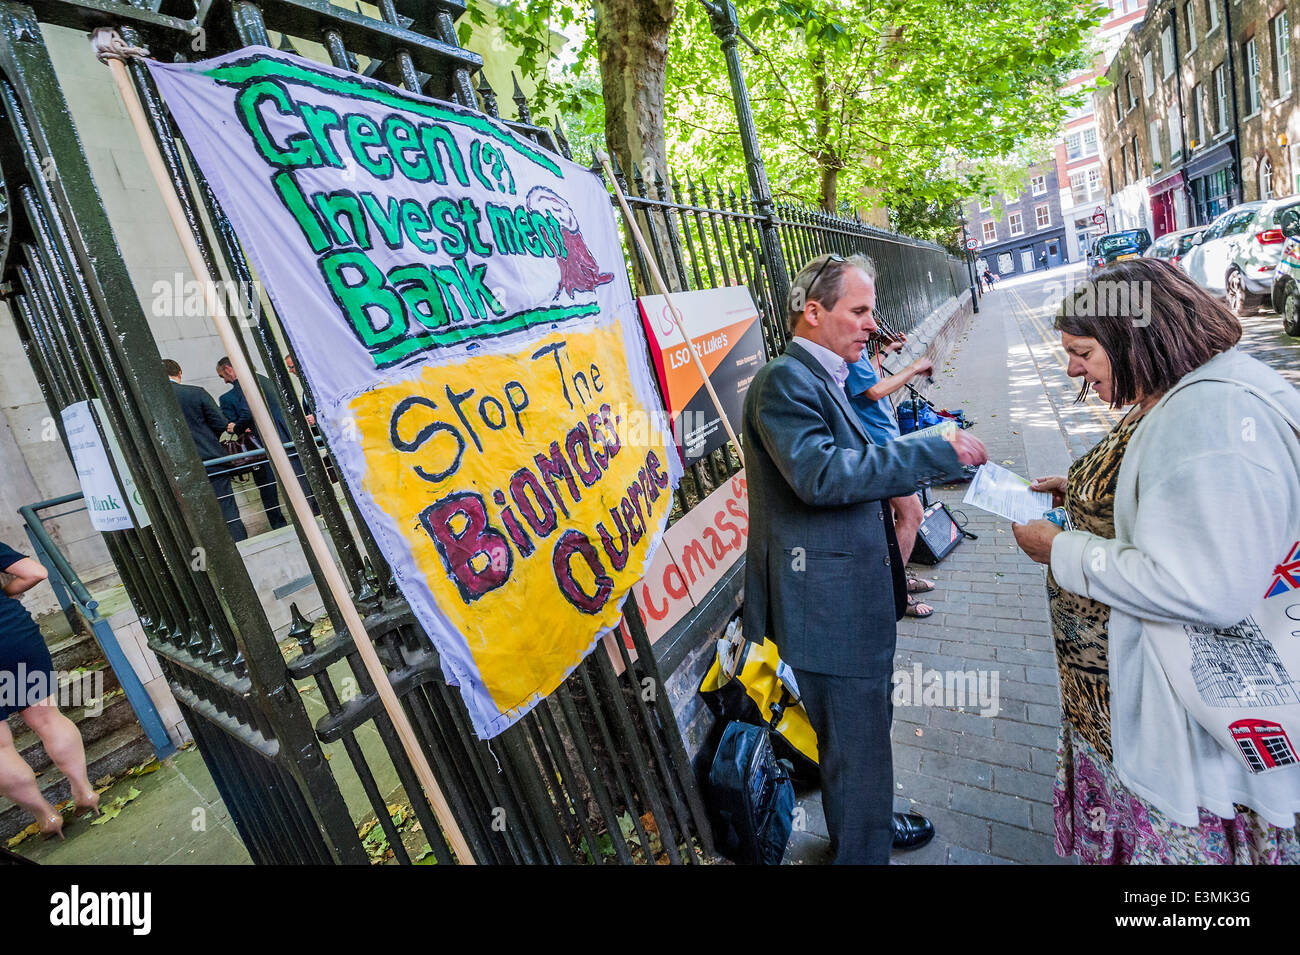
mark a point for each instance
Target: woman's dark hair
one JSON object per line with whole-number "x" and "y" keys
{"x": 1154, "y": 323}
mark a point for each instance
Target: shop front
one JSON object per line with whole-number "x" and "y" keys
{"x": 1212, "y": 184}
{"x": 1165, "y": 209}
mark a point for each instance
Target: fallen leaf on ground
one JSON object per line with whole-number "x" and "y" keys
{"x": 114, "y": 809}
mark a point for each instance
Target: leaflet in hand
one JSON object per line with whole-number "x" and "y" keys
{"x": 1006, "y": 494}
{"x": 940, "y": 430}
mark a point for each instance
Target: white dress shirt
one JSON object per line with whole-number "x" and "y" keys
{"x": 835, "y": 366}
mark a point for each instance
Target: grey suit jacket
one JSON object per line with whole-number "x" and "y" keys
{"x": 819, "y": 576}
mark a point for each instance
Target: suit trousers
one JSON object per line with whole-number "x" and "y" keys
{"x": 264, "y": 478}
{"x": 229, "y": 508}
{"x": 851, "y": 716}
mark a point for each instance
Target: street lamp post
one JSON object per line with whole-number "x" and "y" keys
{"x": 970, "y": 264}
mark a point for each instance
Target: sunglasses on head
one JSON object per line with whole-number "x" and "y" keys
{"x": 818, "y": 274}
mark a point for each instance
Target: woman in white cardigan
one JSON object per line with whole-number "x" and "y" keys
{"x": 1139, "y": 779}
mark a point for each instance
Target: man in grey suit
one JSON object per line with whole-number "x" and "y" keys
{"x": 206, "y": 425}
{"x": 823, "y": 574}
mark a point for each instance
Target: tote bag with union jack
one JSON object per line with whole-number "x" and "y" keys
{"x": 1242, "y": 683}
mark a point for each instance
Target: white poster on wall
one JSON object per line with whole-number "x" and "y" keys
{"x": 111, "y": 507}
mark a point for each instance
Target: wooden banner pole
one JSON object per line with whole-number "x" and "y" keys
{"x": 602, "y": 157}
{"x": 111, "y": 49}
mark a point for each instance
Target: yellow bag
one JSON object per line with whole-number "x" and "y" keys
{"x": 760, "y": 690}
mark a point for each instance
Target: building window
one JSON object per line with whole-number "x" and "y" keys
{"x": 1133, "y": 150}
{"x": 1039, "y": 185}
{"x": 1074, "y": 143}
{"x": 1250, "y": 54}
{"x": 1123, "y": 162}
{"x": 1154, "y": 131}
{"x": 1042, "y": 216}
{"x": 1211, "y": 16}
{"x": 1196, "y": 122}
{"x": 1132, "y": 90}
{"x": 1110, "y": 168}
{"x": 1167, "y": 51}
{"x": 1148, "y": 73}
{"x": 990, "y": 231}
{"x": 986, "y": 204}
{"x": 1094, "y": 182}
{"x": 1078, "y": 188}
{"x": 1016, "y": 224}
{"x": 1282, "y": 54}
{"x": 1119, "y": 110}
{"x": 1175, "y": 134}
{"x": 1090, "y": 141}
{"x": 1190, "y": 11}
{"x": 1220, "y": 99}
{"x": 1265, "y": 178}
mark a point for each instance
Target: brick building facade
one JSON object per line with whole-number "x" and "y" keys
{"x": 1023, "y": 232}
{"x": 1200, "y": 113}
{"x": 1079, "y": 165}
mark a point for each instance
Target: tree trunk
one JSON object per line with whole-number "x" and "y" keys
{"x": 632, "y": 38}
{"x": 632, "y": 41}
{"x": 827, "y": 166}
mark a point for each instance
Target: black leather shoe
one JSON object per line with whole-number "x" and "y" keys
{"x": 911, "y": 830}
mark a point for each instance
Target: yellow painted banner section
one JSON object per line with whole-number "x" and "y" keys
{"x": 529, "y": 487}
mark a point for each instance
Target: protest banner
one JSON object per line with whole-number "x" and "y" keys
{"x": 457, "y": 299}
{"x": 697, "y": 551}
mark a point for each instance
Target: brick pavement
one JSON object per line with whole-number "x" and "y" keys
{"x": 985, "y": 781}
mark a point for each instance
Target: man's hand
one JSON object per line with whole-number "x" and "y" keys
{"x": 896, "y": 344}
{"x": 1035, "y": 539}
{"x": 230, "y": 427}
{"x": 922, "y": 366}
{"x": 970, "y": 451}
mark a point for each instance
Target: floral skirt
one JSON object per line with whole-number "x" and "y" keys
{"x": 1103, "y": 823}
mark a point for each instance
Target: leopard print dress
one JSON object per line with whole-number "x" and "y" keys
{"x": 1079, "y": 624}
{"x": 1097, "y": 817}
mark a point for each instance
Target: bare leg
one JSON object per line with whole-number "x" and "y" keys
{"x": 18, "y": 782}
{"x": 908, "y": 515}
{"x": 907, "y": 521}
{"x": 63, "y": 742}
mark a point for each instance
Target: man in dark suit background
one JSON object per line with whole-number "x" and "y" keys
{"x": 235, "y": 407}
{"x": 206, "y": 425}
{"x": 823, "y": 575}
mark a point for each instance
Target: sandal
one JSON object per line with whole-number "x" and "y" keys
{"x": 51, "y": 826}
{"x": 914, "y": 608}
{"x": 919, "y": 585}
{"x": 90, "y": 808}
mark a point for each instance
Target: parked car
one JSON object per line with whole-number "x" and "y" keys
{"x": 1172, "y": 246}
{"x": 1114, "y": 246}
{"x": 1286, "y": 278}
{"x": 1235, "y": 258}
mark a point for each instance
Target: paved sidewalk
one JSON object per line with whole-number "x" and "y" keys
{"x": 984, "y": 780}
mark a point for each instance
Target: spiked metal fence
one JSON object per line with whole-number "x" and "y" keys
{"x": 597, "y": 771}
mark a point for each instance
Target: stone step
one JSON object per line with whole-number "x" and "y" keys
{"x": 109, "y": 756}
{"x": 116, "y": 713}
{"x": 73, "y": 650}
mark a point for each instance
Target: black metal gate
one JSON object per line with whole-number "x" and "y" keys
{"x": 595, "y": 772}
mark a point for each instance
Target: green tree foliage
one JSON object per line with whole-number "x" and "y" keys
{"x": 909, "y": 104}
